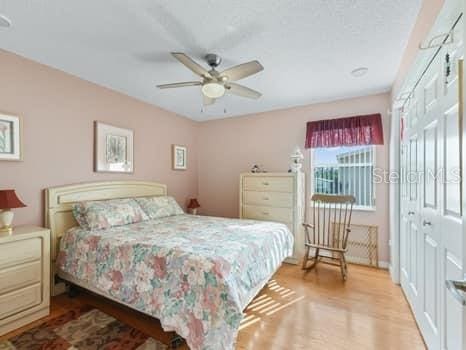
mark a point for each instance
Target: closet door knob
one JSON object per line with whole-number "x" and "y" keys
{"x": 426, "y": 223}
{"x": 410, "y": 213}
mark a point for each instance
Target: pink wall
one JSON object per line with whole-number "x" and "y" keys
{"x": 58, "y": 111}
{"x": 425, "y": 20}
{"x": 230, "y": 146}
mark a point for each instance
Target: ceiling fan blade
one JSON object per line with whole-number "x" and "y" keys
{"x": 177, "y": 85}
{"x": 195, "y": 67}
{"x": 207, "y": 101}
{"x": 243, "y": 91}
{"x": 242, "y": 70}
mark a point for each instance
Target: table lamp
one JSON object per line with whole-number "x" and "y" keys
{"x": 8, "y": 201}
{"x": 193, "y": 205}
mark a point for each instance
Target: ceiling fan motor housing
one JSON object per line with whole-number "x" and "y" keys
{"x": 213, "y": 60}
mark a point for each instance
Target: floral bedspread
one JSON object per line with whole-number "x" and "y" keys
{"x": 195, "y": 274}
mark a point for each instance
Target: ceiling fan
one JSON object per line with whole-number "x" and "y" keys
{"x": 215, "y": 84}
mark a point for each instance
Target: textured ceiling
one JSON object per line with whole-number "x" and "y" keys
{"x": 307, "y": 47}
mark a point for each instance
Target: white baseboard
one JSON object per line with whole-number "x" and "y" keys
{"x": 384, "y": 264}
{"x": 364, "y": 261}
{"x": 394, "y": 274}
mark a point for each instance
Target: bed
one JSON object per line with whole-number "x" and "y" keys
{"x": 196, "y": 274}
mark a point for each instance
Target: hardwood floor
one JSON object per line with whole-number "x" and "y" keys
{"x": 295, "y": 311}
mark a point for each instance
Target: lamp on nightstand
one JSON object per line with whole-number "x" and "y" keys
{"x": 193, "y": 205}
{"x": 8, "y": 201}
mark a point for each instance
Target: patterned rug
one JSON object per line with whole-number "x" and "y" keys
{"x": 84, "y": 328}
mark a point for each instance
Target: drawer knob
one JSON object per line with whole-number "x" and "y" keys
{"x": 265, "y": 183}
{"x": 265, "y": 213}
{"x": 265, "y": 198}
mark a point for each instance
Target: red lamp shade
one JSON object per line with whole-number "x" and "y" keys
{"x": 193, "y": 204}
{"x": 9, "y": 200}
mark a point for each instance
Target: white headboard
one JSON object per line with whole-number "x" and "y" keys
{"x": 58, "y": 202}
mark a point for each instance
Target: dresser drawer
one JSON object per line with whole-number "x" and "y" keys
{"x": 269, "y": 199}
{"x": 284, "y": 215}
{"x": 268, "y": 183}
{"x": 20, "y": 276}
{"x": 20, "y": 300}
{"x": 19, "y": 252}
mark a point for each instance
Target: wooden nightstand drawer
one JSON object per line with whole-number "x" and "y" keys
{"x": 20, "y": 276}
{"x": 20, "y": 300}
{"x": 20, "y": 251}
{"x": 24, "y": 276}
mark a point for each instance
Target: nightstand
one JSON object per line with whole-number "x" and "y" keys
{"x": 24, "y": 276}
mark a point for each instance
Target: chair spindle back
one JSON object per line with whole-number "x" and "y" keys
{"x": 331, "y": 216}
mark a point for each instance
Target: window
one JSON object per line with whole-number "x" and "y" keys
{"x": 345, "y": 170}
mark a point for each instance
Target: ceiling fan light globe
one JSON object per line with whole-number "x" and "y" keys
{"x": 213, "y": 90}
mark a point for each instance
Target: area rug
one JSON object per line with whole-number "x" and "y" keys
{"x": 83, "y": 328}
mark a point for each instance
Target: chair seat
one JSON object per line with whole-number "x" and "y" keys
{"x": 325, "y": 247}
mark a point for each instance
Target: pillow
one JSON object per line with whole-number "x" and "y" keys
{"x": 78, "y": 213}
{"x": 96, "y": 215}
{"x": 159, "y": 207}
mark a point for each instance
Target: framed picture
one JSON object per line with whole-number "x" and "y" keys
{"x": 113, "y": 149}
{"x": 179, "y": 157}
{"x": 10, "y": 137}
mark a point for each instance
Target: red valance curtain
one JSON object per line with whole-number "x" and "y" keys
{"x": 352, "y": 131}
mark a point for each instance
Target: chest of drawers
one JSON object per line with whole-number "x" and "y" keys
{"x": 24, "y": 277}
{"x": 277, "y": 197}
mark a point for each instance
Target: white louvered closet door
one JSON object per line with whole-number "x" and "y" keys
{"x": 431, "y": 236}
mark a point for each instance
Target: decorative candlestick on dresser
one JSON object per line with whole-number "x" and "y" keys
{"x": 296, "y": 159}
{"x": 8, "y": 201}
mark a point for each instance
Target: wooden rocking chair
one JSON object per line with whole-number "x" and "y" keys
{"x": 329, "y": 231}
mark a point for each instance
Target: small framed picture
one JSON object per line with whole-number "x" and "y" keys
{"x": 113, "y": 149}
{"x": 10, "y": 137}
{"x": 179, "y": 157}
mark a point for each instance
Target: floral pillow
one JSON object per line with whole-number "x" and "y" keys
{"x": 159, "y": 207}
{"x": 79, "y": 215}
{"x": 96, "y": 215}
